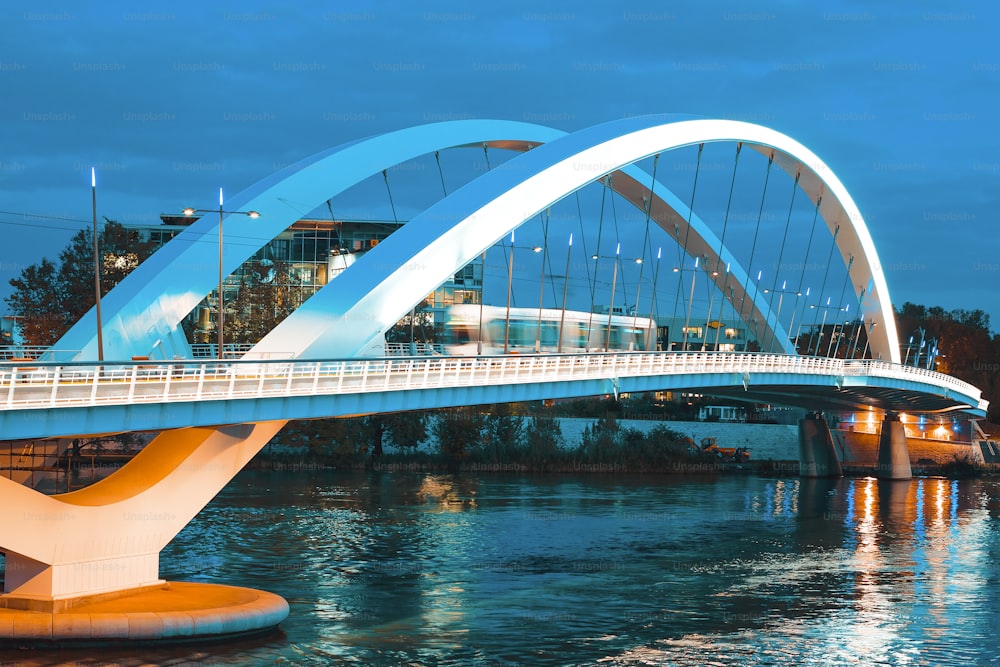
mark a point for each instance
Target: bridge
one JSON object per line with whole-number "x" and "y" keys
{"x": 327, "y": 358}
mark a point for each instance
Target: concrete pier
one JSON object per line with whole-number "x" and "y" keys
{"x": 893, "y": 454}
{"x": 817, "y": 456}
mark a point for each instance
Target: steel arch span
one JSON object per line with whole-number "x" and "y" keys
{"x": 383, "y": 285}
{"x": 142, "y": 314}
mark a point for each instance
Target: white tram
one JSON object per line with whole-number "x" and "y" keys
{"x": 580, "y": 331}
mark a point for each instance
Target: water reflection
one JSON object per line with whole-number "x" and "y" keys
{"x": 389, "y": 568}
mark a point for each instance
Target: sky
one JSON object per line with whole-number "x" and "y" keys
{"x": 171, "y": 101}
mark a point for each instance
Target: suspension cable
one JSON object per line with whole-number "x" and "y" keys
{"x": 802, "y": 275}
{"x": 687, "y": 235}
{"x": 645, "y": 240}
{"x": 843, "y": 291}
{"x": 618, "y": 240}
{"x": 756, "y": 234}
{"x": 583, "y": 238}
{"x": 605, "y": 183}
{"x": 718, "y": 258}
{"x": 781, "y": 255}
{"x": 822, "y": 289}
{"x": 385, "y": 176}
{"x": 437, "y": 157}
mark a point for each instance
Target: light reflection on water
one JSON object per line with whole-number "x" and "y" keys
{"x": 389, "y": 568}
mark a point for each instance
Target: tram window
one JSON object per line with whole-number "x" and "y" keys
{"x": 461, "y": 333}
{"x": 550, "y": 334}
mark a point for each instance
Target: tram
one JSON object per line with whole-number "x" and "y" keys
{"x": 581, "y": 331}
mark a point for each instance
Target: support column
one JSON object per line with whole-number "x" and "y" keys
{"x": 893, "y": 454}
{"x": 817, "y": 455}
{"x": 107, "y": 537}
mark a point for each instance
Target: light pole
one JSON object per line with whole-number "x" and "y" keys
{"x": 822, "y": 326}
{"x": 221, "y": 300}
{"x": 562, "y": 317}
{"x": 541, "y": 295}
{"x": 482, "y": 295}
{"x": 510, "y": 281}
{"x": 836, "y": 350}
{"x": 611, "y": 304}
{"x": 652, "y": 303}
{"x": 97, "y": 268}
{"x": 777, "y": 317}
{"x": 687, "y": 319}
{"x": 868, "y": 338}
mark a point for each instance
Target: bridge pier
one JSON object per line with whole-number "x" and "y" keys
{"x": 84, "y": 565}
{"x": 893, "y": 454}
{"x": 817, "y": 455}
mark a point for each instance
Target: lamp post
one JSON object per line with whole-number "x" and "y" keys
{"x": 97, "y": 268}
{"x": 562, "y": 317}
{"x": 836, "y": 350}
{"x": 868, "y": 338}
{"x": 687, "y": 319}
{"x": 510, "y": 281}
{"x": 652, "y": 303}
{"x": 541, "y": 294}
{"x": 611, "y": 303}
{"x": 482, "y": 295}
{"x": 221, "y": 300}
{"x": 777, "y": 317}
{"x": 822, "y": 326}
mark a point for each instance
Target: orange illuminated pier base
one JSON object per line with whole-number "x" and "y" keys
{"x": 172, "y": 611}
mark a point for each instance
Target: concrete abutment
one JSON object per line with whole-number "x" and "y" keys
{"x": 817, "y": 454}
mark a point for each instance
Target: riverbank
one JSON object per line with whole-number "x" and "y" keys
{"x": 592, "y": 446}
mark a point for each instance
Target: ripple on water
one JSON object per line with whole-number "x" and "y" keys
{"x": 437, "y": 570}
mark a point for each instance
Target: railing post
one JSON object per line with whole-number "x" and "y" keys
{"x": 12, "y": 378}
{"x": 201, "y": 382}
{"x": 55, "y": 385}
{"x": 131, "y": 382}
{"x": 166, "y": 383}
{"x": 93, "y": 391}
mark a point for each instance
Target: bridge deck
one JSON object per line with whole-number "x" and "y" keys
{"x": 787, "y": 379}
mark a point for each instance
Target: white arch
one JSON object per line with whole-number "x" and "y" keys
{"x": 399, "y": 272}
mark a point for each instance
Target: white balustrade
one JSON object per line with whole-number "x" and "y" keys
{"x": 46, "y": 384}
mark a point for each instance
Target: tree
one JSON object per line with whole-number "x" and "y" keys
{"x": 48, "y": 297}
{"x": 503, "y": 433}
{"x": 36, "y": 304}
{"x": 966, "y": 349}
{"x": 543, "y": 437}
{"x": 417, "y": 326}
{"x": 457, "y": 431}
{"x": 406, "y": 429}
{"x": 264, "y": 299}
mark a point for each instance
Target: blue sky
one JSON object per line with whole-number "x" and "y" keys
{"x": 172, "y": 101}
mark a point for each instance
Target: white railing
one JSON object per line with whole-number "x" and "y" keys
{"x": 28, "y": 385}
{"x": 408, "y": 349}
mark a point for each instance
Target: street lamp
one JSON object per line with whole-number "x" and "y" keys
{"x": 826, "y": 308}
{"x": 777, "y": 317}
{"x": 250, "y": 214}
{"x": 97, "y": 269}
{"x": 562, "y": 317}
{"x": 652, "y": 302}
{"x": 687, "y": 319}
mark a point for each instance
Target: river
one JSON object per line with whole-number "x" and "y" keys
{"x": 390, "y": 568}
